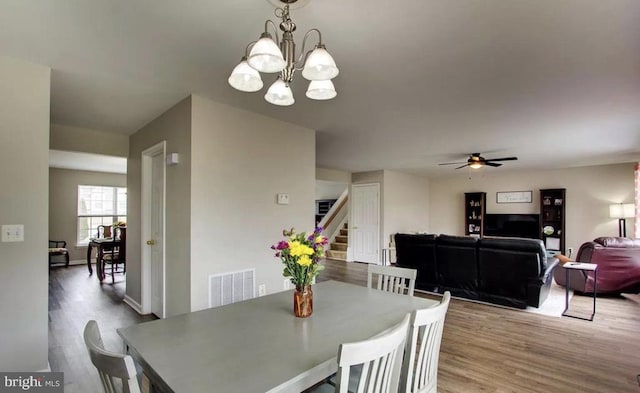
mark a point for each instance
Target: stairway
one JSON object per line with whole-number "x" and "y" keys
{"x": 338, "y": 248}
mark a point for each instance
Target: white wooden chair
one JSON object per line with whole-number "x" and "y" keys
{"x": 420, "y": 365}
{"x": 373, "y": 365}
{"x": 392, "y": 279}
{"x": 111, "y": 365}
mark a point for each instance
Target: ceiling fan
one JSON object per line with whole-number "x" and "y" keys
{"x": 477, "y": 161}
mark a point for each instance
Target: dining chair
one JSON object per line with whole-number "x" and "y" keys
{"x": 420, "y": 365}
{"x": 112, "y": 365}
{"x": 58, "y": 248}
{"x": 116, "y": 257}
{"x": 103, "y": 231}
{"x": 392, "y": 279}
{"x": 372, "y": 365}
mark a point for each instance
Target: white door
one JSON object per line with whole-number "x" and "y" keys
{"x": 153, "y": 213}
{"x": 365, "y": 222}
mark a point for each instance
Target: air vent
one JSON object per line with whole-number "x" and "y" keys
{"x": 227, "y": 288}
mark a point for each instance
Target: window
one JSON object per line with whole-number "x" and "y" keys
{"x": 99, "y": 205}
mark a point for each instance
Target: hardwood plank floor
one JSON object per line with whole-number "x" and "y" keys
{"x": 484, "y": 348}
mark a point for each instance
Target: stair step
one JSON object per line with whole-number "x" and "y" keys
{"x": 339, "y": 246}
{"x": 337, "y": 255}
{"x": 344, "y": 232}
{"x": 342, "y": 239}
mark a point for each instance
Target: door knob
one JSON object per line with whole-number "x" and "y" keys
{"x": 151, "y": 242}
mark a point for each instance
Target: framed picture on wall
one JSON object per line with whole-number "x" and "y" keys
{"x": 514, "y": 196}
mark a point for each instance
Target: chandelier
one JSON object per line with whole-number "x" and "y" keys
{"x": 266, "y": 56}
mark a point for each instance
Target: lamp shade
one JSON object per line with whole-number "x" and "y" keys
{"x": 245, "y": 78}
{"x": 321, "y": 90}
{"x": 265, "y": 56}
{"x": 319, "y": 65}
{"x": 279, "y": 93}
{"x": 622, "y": 210}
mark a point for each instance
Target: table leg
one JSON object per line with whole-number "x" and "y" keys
{"x": 567, "y": 284}
{"x": 89, "y": 247}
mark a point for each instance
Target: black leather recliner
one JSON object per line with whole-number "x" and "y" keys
{"x": 419, "y": 252}
{"x": 513, "y": 272}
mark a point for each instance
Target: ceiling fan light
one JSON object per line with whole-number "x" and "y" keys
{"x": 245, "y": 78}
{"x": 321, "y": 90}
{"x": 279, "y": 93}
{"x": 476, "y": 165}
{"x": 319, "y": 65}
{"x": 265, "y": 56}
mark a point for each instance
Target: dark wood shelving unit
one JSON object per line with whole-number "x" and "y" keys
{"x": 552, "y": 218}
{"x": 475, "y": 209}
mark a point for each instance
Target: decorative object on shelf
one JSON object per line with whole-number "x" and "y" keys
{"x": 514, "y": 196}
{"x": 548, "y": 230}
{"x": 621, "y": 211}
{"x": 269, "y": 56}
{"x": 300, "y": 254}
{"x": 552, "y": 218}
{"x": 475, "y": 204}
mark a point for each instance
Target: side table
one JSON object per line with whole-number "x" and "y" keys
{"x": 586, "y": 267}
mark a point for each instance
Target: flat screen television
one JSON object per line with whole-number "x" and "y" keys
{"x": 512, "y": 225}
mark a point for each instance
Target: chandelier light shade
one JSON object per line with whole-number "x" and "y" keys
{"x": 279, "y": 56}
{"x": 245, "y": 78}
{"x": 265, "y": 55}
{"x": 279, "y": 93}
{"x": 319, "y": 65}
{"x": 321, "y": 90}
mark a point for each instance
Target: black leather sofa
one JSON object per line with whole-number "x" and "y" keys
{"x": 513, "y": 272}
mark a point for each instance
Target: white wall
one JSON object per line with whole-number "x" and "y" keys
{"x": 240, "y": 161}
{"x": 24, "y": 148}
{"x": 406, "y": 204}
{"x": 63, "y": 203}
{"x": 590, "y": 190}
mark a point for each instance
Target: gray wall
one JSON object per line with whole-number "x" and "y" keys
{"x": 241, "y": 161}
{"x": 63, "y": 203}
{"x": 174, "y": 127}
{"x": 24, "y": 147}
{"x": 86, "y": 140}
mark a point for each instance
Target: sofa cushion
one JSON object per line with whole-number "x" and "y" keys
{"x": 620, "y": 242}
{"x": 517, "y": 245}
{"x": 418, "y": 252}
{"x": 457, "y": 262}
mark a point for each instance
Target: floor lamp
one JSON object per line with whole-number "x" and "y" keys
{"x": 621, "y": 211}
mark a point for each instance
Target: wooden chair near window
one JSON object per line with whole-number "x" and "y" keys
{"x": 58, "y": 248}
{"x": 392, "y": 279}
{"x": 104, "y": 231}
{"x": 116, "y": 256}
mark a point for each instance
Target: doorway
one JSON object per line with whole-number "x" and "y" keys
{"x": 365, "y": 222}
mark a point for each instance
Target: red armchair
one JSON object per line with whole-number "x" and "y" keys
{"x": 618, "y": 261}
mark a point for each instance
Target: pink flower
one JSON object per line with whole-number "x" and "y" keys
{"x": 282, "y": 245}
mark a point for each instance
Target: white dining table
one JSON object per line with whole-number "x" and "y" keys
{"x": 258, "y": 345}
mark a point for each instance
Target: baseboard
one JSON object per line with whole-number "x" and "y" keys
{"x": 137, "y": 307}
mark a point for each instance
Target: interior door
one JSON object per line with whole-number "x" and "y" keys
{"x": 157, "y": 235}
{"x": 153, "y": 230}
{"x": 365, "y": 222}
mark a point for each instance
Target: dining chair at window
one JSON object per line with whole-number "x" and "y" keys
{"x": 420, "y": 365}
{"x": 103, "y": 231}
{"x": 392, "y": 279}
{"x": 58, "y": 248}
{"x": 376, "y": 363}
{"x": 112, "y": 365}
{"x": 116, "y": 257}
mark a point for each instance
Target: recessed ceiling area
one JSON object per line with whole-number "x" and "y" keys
{"x": 87, "y": 162}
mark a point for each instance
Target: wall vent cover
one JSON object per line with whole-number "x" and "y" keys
{"x": 227, "y": 288}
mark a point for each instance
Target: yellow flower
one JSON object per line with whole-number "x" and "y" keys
{"x": 297, "y": 249}
{"x": 304, "y": 260}
{"x": 320, "y": 239}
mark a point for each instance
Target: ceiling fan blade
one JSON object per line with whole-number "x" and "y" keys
{"x": 503, "y": 159}
{"x": 462, "y": 166}
{"x": 492, "y": 164}
{"x": 452, "y": 163}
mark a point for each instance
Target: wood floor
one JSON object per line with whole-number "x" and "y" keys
{"x": 484, "y": 348}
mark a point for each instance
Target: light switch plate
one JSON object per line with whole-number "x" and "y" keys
{"x": 283, "y": 199}
{"x": 13, "y": 233}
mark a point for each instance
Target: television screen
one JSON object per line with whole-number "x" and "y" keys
{"x": 512, "y": 225}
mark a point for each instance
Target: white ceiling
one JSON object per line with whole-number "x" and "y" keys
{"x": 556, "y": 83}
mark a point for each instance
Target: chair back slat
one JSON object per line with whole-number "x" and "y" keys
{"x": 110, "y": 364}
{"x": 380, "y": 358}
{"x": 392, "y": 279}
{"x": 420, "y": 365}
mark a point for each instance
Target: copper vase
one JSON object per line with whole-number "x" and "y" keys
{"x": 303, "y": 301}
